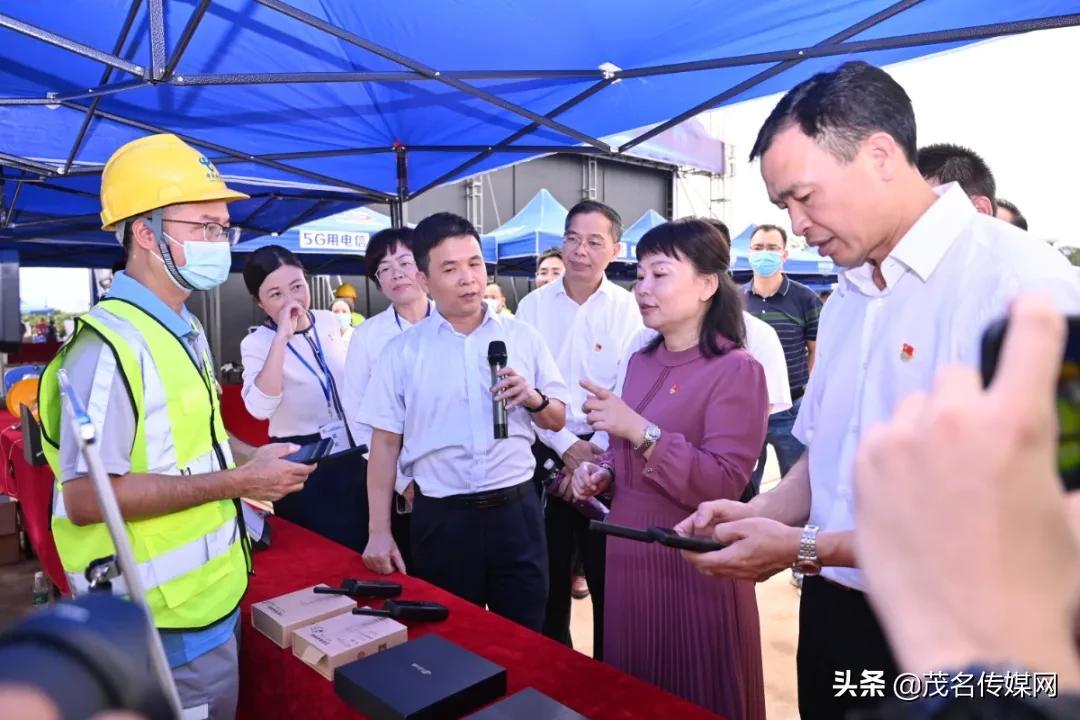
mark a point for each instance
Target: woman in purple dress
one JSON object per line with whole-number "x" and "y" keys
{"x": 688, "y": 427}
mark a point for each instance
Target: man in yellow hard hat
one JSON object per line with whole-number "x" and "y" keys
{"x": 140, "y": 362}
{"x": 347, "y": 293}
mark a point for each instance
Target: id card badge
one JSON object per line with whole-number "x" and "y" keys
{"x": 336, "y": 431}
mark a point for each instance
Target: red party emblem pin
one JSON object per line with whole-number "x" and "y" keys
{"x": 674, "y": 389}
{"x": 907, "y": 352}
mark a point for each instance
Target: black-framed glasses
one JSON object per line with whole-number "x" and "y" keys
{"x": 212, "y": 231}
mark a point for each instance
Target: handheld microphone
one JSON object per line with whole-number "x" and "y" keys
{"x": 497, "y": 360}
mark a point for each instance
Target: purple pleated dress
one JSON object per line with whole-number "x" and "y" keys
{"x": 695, "y": 636}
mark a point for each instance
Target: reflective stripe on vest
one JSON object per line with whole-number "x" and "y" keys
{"x": 190, "y": 562}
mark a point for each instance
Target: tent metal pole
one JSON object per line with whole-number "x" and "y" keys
{"x": 156, "y": 11}
{"x": 133, "y": 11}
{"x": 412, "y": 64}
{"x": 244, "y": 157}
{"x": 402, "y": 181}
{"x": 6, "y": 216}
{"x": 306, "y": 155}
{"x": 50, "y": 38}
{"x": 505, "y": 142}
{"x": 56, "y": 221}
{"x": 975, "y": 32}
{"x": 94, "y": 92}
{"x": 861, "y": 26}
{"x": 384, "y": 76}
{"x": 26, "y": 164}
{"x": 185, "y": 38}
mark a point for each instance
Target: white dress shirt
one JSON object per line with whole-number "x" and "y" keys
{"x": 301, "y": 408}
{"x": 952, "y": 274}
{"x": 368, "y": 342}
{"x": 764, "y": 345}
{"x": 588, "y": 341}
{"x": 432, "y": 385}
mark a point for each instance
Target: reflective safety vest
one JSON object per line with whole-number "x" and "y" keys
{"x": 193, "y": 563}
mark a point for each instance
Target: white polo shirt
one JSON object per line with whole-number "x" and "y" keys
{"x": 432, "y": 385}
{"x": 368, "y": 342}
{"x": 952, "y": 274}
{"x": 588, "y": 341}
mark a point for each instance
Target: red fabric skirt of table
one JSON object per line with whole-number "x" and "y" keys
{"x": 275, "y": 684}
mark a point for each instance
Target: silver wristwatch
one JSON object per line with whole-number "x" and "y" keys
{"x": 807, "y": 561}
{"x": 650, "y": 437}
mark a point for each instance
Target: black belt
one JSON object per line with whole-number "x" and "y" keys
{"x": 488, "y": 499}
{"x": 798, "y": 393}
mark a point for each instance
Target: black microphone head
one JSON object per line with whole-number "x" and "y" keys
{"x": 497, "y": 352}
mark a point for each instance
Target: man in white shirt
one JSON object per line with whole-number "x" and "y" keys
{"x": 477, "y": 526}
{"x": 390, "y": 264}
{"x": 588, "y": 323}
{"x": 925, "y": 275}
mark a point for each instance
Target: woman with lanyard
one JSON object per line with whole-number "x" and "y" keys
{"x": 293, "y": 372}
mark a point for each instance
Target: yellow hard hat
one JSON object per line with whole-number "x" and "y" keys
{"x": 21, "y": 393}
{"x": 155, "y": 171}
{"x": 345, "y": 290}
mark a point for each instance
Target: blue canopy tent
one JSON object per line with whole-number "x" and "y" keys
{"x": 632, "y": 234}
{"x": 536, "y": 227}
{"x": 352, "y": 103}
{"x": 336, "y": 243}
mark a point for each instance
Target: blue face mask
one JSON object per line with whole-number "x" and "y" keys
{"x": 765, "y": 263}
{"x": 208, "y": 263}
{"x": 343, "y": 320}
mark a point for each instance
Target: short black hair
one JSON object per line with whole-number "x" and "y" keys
{"x": 595, "y": 206}
{"x": 382, "y": 244}
{"x": 551, "y": 252}
{"x": 722, "y": 227}
{"x": 1018, "y": 218}
{"x": 954, "y": 163}
{"x": 432, "y": 230}
{"x": 840, "y": 109}
{"x": 766, "y": 228}
{"x": 264, "y": 261}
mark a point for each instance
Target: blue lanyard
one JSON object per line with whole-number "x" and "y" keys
{"x": 397, "y": 318}
{"x": 326, "y": 380}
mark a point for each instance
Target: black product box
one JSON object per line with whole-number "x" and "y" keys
{"x": 529, "y": 704}
{"x": 430, "y": 677}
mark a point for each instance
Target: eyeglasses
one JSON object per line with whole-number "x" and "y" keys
{"x": 212, "y": 231}
{"x": 575, "y": 241}
{"x": 387, "y": 270}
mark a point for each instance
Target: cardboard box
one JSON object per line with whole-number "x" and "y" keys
{"x": 529, "y": 704}
{"x": 9, "y": 508}
{"x": 278, "y": 618}
{"x": 426, "y": 679}
{"x": 329, "y": 644}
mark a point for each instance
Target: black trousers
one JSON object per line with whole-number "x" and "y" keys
{"x": 567, "y": 531}
{"x": 838, "y": 633}
{"x": 493, "y": 556}
{"x": 334, "y": 503}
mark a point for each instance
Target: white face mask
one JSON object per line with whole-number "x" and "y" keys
{"x": 493, "y": 305}
{"x": 344, "y": 320}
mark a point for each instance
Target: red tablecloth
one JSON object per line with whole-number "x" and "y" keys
{"x": 34, "y": 353}
{"x": 33, "y": 488}
{"x": 274, "y": 684}
{"x": 237, "y": 420}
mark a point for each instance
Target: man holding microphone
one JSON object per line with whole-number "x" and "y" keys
{"x": 477, "y": 527}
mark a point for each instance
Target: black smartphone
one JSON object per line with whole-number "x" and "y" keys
{"x": 312, "y": 452}
{"x": 675, "y": 540}
{"x": 664, "y": 536}
{"x": 1068, "y": 394}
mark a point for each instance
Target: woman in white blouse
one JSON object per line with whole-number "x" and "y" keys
{"x": 293, "y": 370}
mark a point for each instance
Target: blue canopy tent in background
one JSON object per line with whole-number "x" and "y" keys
{"x": 336, "y": 244}
{"x": 515, "y": 245}
{"x": 632, "y": 234}
{"x": 337, "y": 103}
